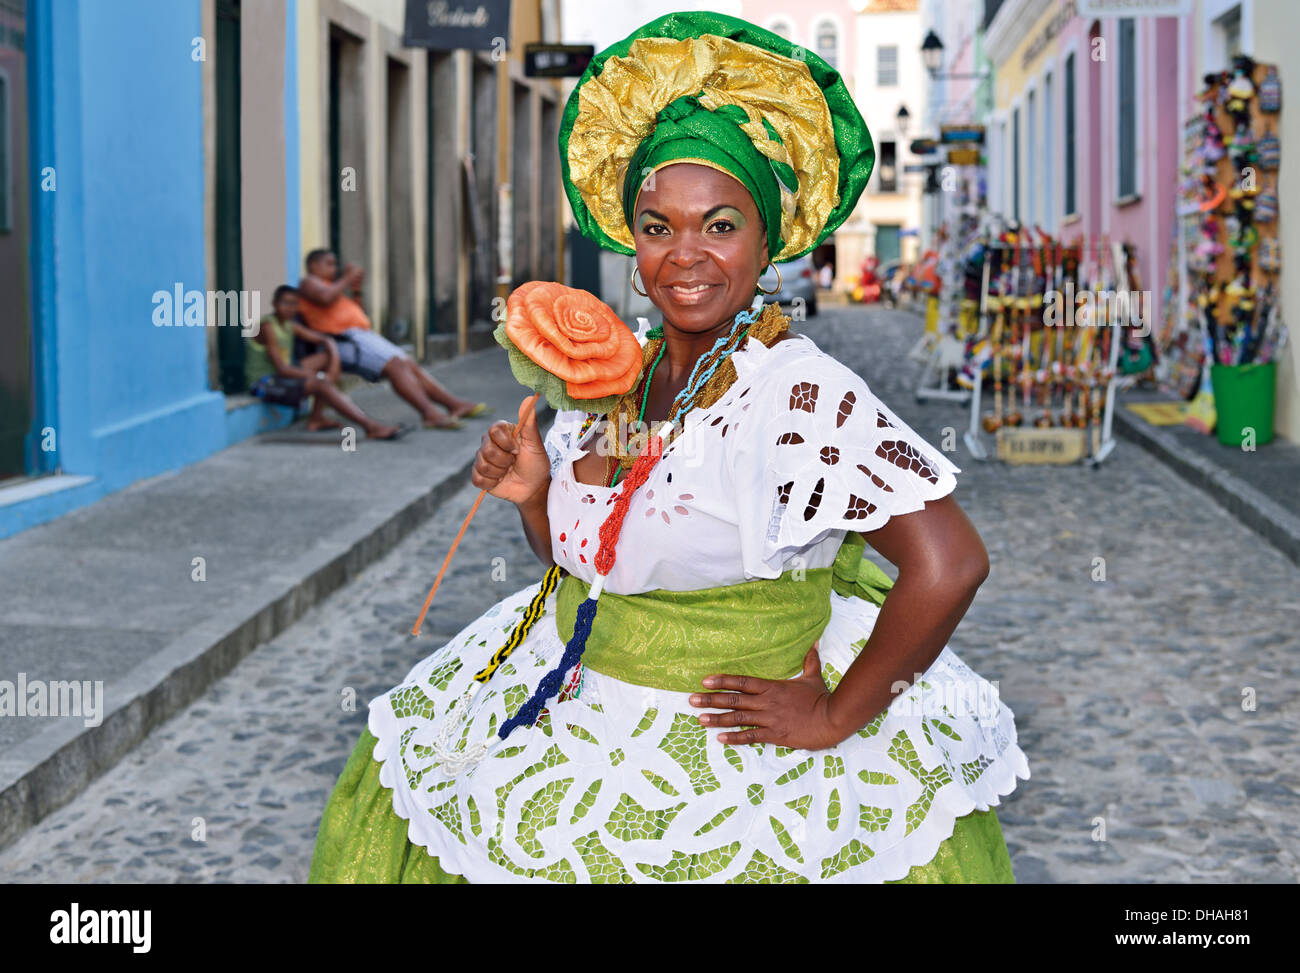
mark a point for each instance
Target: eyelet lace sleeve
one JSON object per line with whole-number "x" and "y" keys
{"x": 826, "y": 455}
{"x": 562, "y": 438}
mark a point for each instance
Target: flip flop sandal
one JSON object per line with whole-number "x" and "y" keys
{"x": 479, "y": 410}
{"x": 401, "y": 430}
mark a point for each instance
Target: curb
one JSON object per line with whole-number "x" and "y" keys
{"x": 44, "y": 772}
{"x": 1265, "y": 516}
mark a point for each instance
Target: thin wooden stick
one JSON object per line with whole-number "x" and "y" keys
{"x": 415, "y": 630}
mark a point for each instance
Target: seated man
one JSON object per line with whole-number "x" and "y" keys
{"x": 276, "y": 380}
{"x": 327, "y": 308}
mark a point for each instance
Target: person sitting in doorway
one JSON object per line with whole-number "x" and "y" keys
{"x": 327, "y": 308}
{"x": 276, "y": 380}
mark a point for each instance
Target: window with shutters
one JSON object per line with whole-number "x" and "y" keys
{"x": 1032, "y": 159}
{"x": 1015, "y": 164}
{"x": 1126, "y": 142}
{"x": 1071, "y": 203}
{"x": 887, "y": 65}
{"x": 827, "y": 40}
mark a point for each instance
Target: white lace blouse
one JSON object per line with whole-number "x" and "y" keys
{"x": 768, "y": 478}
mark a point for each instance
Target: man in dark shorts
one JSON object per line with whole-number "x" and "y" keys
{"x": 328, "y": 309}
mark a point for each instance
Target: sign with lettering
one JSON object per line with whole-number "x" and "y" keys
{"x": 1053, "y": 27}
{"x": 557, "y": 60}
{"x": 1134, "y": 8}
{"x": 449, "y": 25}
{"x": 1027, "y": 444}
{"x": 971, "y": 134}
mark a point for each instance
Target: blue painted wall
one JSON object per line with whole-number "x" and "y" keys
{"x": 116, "y": 108}
{"x": 126, "y": 122}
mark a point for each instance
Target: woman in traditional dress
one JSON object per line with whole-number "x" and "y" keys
{"x": 752, "y": 700}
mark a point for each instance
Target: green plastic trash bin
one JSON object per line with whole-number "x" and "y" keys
{"x": 1243, "y": 398}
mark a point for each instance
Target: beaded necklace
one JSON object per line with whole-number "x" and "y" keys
{"x": 700, "y": 379}
{"x": 611, "y": 473}
{"x": 712, "y": 375}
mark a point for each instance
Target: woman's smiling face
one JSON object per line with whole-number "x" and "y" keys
{"x": 700, "y": 245}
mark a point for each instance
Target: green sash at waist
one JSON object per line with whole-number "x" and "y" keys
{"x": 673, "y": 639}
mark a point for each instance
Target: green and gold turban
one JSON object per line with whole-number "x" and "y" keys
{"x": 718, "y": 91}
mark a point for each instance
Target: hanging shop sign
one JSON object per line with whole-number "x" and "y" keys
{"x": 964, "y": 157}
{"x": 557, "y": 60}
{"x": 962, "y": 134}
{"x": 450, "y": 25}
{"x": 1134, "y": 8}
{"x": 923, "y": 146}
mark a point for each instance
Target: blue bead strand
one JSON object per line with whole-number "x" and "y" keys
{"x": 550, "y": 684}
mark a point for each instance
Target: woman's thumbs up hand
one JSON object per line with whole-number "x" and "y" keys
{"x": 512, "y": 463}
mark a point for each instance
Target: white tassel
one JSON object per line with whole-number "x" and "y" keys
{"x": 453, "y": 762}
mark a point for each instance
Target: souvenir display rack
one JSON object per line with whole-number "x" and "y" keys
{"x": 1053, "y": 325}
{"x": 1231, "y": 189}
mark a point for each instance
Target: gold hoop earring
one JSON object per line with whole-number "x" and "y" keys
{"x": 777, "y": 288}
{"x": 634, "y": 287}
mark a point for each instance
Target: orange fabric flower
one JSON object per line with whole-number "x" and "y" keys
{"x": 575, "y": 336}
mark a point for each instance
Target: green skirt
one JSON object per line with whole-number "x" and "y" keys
{"x": 362, "y": 840}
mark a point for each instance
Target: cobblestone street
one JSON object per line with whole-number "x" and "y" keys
{"x": 1158, "y": 708}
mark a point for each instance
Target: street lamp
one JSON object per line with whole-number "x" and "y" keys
{"x": 932, "y": 52}
{"x": 904, "y": 121}
{"x": 932, "y": 58}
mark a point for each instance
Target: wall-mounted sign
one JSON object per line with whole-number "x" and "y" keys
{"x": 964, "y": 157}
{"x": 1050, "y": 29}
{"x": 969, "y": 134}
{"x": 449, "y": 25}
{"x": 557, "y": 60}
{"x": 1134, "y": 8}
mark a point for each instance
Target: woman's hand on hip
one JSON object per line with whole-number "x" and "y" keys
{"x": 512, "y": 463}
{"x": 791, "y": 713}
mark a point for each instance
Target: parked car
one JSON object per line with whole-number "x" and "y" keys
{"x": 798, "y": 281}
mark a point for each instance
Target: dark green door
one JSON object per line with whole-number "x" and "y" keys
{"x": 15, "y": 319}
{"x": 887, "y": 242}
{"x": 230, "y": 255}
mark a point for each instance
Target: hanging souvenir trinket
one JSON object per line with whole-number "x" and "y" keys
{"x": 1266, "y": 206}
{"x": 1270, "y": 255}
{"x": 1269, "y": 150}
{"x": 1212, "y": 149}
{"x": 1242, "y": 147}
{"x": 1270, "y": 92}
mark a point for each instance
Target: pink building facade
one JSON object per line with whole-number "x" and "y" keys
{"x": 1086, "y": 129}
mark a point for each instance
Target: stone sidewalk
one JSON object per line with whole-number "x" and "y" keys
{"x": 1260, "y": 487}
{"x": 157, "y": 591}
